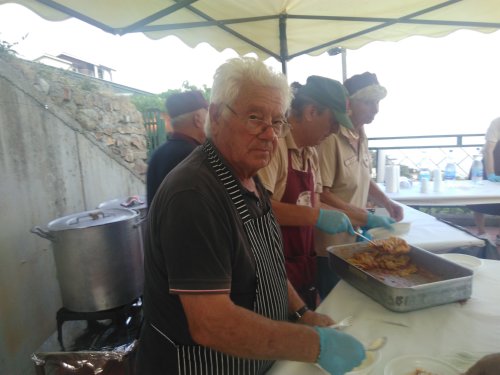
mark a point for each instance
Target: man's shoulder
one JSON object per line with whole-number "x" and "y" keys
{"x": 192, "y": 171}
{"x": 493, "y": 131}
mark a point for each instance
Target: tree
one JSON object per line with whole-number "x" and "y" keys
{"x": 145, "y": 103}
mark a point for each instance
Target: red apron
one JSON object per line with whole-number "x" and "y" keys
{"x": 300, "y": 258}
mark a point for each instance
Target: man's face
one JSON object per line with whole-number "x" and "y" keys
{"x": 363, "y": 111}
{"x": 247, "y": 152}
{"x": 321, "y": 126}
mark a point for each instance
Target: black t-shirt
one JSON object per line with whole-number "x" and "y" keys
{"x": 196, "y": 243}
{"x": 165, "y": 158}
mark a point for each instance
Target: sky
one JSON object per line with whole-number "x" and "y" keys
{"x": 446, "y": 85}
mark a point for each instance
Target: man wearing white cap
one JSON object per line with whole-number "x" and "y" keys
{"x": 345, "y": 172}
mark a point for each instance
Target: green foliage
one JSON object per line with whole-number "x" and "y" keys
{"x": 6, "y": 48}
{"x": 145, "y": 103}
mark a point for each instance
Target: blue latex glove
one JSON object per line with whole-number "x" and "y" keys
{"x": 493, "y": 177}
{"x": 338, "y": 351}
{"x": 375, "y": 221}
{"x": 333, "y": 222}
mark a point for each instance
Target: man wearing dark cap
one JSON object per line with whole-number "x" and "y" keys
{"x": 187, "y": 111}
{"x": 293, "y": 179}
{"x": 346, "y": 173}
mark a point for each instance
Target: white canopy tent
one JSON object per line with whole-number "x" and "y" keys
{"x": 282, "y": 29}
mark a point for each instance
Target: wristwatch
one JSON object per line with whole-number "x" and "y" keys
{"x": 298, "y": 314}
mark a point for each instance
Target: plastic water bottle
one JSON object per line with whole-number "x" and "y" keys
{"x": 424, "y": 171}
{"x": 450, "y": 171}
{"x": 436, "y": 177}
{"x": 476, "y": 173}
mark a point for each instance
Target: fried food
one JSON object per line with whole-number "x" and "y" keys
{"x": 391, "y": 245}
{"x": 388, "y": 255}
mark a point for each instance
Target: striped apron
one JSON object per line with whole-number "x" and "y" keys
{"x": 271, "y": 295}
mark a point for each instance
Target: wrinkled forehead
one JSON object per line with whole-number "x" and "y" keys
{"x": 261, "y": 97}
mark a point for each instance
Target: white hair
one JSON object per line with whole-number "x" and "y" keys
{"x": 230, "y": 77}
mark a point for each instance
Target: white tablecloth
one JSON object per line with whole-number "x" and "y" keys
{"x": 433, "y": 235}
{"x": 458, "y": 193}
{"x": 436, "y": 331}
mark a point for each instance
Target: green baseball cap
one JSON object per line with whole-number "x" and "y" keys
{"x": 331, "y": 94}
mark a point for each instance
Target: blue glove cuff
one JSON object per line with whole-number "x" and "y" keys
{"x": 319, "y": 216}
{"x": 321, "y": 342}
{"x": 493, "y": 177}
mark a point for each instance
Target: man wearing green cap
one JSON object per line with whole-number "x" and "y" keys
{"x": 346, "y": 173}
{"x": 294, "y": 181}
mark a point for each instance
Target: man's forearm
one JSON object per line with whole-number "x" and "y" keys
{"x": 357, "y": 215}
{"x": 214, "y": 321}
{"x": 294, "y": 215}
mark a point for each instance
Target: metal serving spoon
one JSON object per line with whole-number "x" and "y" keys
{"x": 365, "y": 238}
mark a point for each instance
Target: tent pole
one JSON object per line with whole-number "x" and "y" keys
{"x": 344, "y": 64}
{"x": 283, "y": 43}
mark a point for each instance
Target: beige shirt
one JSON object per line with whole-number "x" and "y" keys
{"x": 345, "y": 171}
{"x": 493, "y": 132}
{"x": 274, "y": 176}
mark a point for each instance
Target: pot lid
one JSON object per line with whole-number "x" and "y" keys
{"x": 92, "y": 218}
{"x": 136, "y": 202}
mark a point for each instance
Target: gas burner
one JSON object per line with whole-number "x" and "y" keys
{"x": 104, "y": 328}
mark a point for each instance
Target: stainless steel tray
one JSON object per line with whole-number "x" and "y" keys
{"x": 439, "y": 281}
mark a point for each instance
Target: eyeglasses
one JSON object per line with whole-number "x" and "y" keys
{"x": 256, "y": 125}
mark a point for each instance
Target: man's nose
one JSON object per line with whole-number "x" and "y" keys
{"x": 267, "y": 132}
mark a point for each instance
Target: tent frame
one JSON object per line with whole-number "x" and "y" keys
{"x": 144, "y": 27}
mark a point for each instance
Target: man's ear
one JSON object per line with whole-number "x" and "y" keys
{"x": 199, "y": 118}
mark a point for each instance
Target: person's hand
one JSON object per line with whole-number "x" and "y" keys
{"x": 338, "y": 351}
{"x": 332, "y": 222}
{"x": 313, "y": 318}
{"x": 395, "y": 211}
{"x": 488, "y": 365}
{"x": 493, "y": 177}
{"x": 375, "y": 221}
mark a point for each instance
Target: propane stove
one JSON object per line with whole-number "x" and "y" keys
{"x": 104, "y": 328}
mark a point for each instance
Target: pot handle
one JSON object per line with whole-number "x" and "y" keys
{"x": 140, "y": 221}
{"x": 94, "y": 215}
{"x": 42, "y": 233}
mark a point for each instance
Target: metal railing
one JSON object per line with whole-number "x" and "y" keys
{"x": 155, "y": 129}
{"x": 411, "y": 150}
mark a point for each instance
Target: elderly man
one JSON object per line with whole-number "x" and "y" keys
{"x": 345, "y": 171}
{"x": 216, "y": 296}
{"x": 294, "y": 181}
{"x": 187, "y": 111}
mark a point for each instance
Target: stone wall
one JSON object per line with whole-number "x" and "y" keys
{"x": 112, "y": 120}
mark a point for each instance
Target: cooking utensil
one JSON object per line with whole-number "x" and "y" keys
{"x": 376, "y": 344}
{"x": 395, "y": 323}
{"x": 365, "y": 238}
{"x": 99, "y": 258}
{"x": 346, "y": 322}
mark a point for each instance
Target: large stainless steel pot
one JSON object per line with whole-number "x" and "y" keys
{"x": 134, "y": 202}
{"x": 99, "y": 258}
